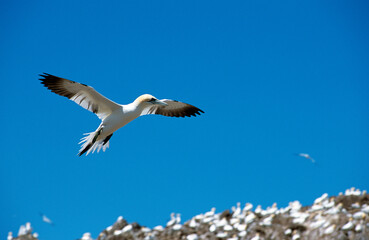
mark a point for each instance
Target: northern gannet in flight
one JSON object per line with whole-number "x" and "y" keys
{"x": 46, "y": 219}
{"x": 113, "y": 116}
{"x": 307, "y": 156}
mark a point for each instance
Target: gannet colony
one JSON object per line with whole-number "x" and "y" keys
{"x": 342, "y": 217}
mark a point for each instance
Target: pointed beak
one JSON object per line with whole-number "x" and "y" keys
{"x": 161, "y": 103}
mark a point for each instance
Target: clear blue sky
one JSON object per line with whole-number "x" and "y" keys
{"x": 274, "y": 79}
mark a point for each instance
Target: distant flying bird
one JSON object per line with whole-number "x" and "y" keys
{"x": 113, "y": 116}
{"x": 46, "y": 219}
{"x": 307, "y": 156}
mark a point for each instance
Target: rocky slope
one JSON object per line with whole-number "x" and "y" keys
{"x": 342, "y": 217}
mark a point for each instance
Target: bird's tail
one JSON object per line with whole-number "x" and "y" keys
{"x": 90, "y": 142}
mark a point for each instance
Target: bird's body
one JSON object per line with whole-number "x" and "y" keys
{"x": 117, "y": 119}
{"x": 46, "y": 219}
{"x": 307, "y": 156}
{"x": 113, "y": 116}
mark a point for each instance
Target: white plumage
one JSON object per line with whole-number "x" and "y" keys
{"x": 113, "y": 116}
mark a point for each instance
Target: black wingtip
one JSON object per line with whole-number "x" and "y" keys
{"x": 197, "y": 113}
{"x": 45, "y": 75}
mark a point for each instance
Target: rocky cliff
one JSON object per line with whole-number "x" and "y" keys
{"x": 342, "y": 217}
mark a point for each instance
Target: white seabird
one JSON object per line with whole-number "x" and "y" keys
{"x": 113, "y": 116}
{"x": 349, "y": 225}
{"x": 307, "y": 156}
{"x": 172, "y": 220}
{"x": 46, "y": 219}
{"x": 86, "y": 236}
{"x": 25, "y": 229}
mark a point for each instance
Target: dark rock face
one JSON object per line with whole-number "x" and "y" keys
{"x": 343, "y": 217}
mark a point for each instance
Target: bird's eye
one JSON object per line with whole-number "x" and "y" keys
{"x": 152, "y": 100}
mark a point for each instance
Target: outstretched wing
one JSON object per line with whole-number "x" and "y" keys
{"x": 83, "y": 95}
{"x": 173, "y": 109}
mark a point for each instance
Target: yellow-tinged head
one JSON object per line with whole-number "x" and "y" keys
{"x": 148, "y": 99}
{"x": 145, "y": 98}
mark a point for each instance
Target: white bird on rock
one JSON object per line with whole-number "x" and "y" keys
{"x": 113, "y": 116}
{"x": 349, "y": 225}
{"x": 86, "y": 236}
{"x": 172, "y": 220}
